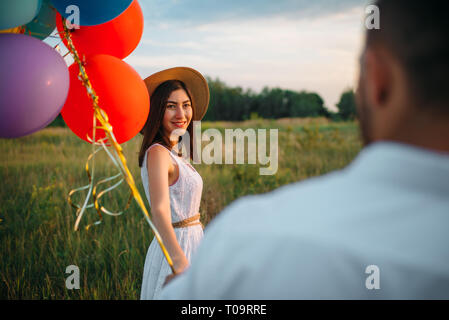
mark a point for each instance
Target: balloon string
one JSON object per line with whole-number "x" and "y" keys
{"x": 93, "y": 191}
{"x": 19, "y": 29}
{"x": 89, "y": 186}
{"x": 33, "y": 33}
{"x": 118, "y": 158}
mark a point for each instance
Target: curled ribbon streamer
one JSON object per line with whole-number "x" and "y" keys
{"x": 80, "y": 210}
{"x": 72, "y": 192}
{"x": 96, "y": 197}
{"x": 118, "y": 157}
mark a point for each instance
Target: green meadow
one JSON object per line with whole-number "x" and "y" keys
{"x": 37, "y": 240}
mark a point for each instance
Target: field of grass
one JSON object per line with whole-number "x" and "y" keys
{"x": 37, "y": 241}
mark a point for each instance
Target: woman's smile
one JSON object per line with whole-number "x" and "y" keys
{"x": 180, "y": 124}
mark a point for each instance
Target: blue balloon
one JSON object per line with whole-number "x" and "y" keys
{"x": 44, "y": 23}
{"x": 91, "y": 12}
{"x": 14, "y": 13}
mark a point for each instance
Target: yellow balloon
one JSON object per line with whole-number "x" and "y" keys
{"x": 19, "y": 29}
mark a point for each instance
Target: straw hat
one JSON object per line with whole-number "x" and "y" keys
{"x": 194, "y": 82}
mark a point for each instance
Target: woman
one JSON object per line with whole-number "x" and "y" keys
{"x": 172, "y": 186}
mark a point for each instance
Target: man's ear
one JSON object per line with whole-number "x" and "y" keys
{"x": 378, "y": 77}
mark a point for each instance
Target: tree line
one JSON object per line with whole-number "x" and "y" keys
{"x": 235, "y": 104}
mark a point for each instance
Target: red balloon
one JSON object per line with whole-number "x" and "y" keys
{"x": 122, "y": 95}
{"x": 118, "y": 37}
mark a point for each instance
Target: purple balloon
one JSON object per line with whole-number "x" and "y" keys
{"x": 34, "y": 83}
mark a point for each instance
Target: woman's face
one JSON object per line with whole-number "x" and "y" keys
{"x": 178, "y": 113}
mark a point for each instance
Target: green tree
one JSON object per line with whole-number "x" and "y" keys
{"x": 346, "y": 106}
{"x": 234, "y": 104}
{"x": 58, "y": 122}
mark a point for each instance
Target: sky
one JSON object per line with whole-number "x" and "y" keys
{"x": 290, "y": 44}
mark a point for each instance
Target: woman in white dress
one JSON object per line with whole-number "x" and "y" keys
{"x": 172, "y": 186}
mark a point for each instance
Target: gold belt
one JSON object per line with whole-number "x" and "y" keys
{"x": 191, "y": 221}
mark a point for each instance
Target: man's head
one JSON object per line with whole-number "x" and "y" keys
{"x": 403, "y": 85}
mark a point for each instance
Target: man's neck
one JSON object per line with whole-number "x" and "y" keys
{"x": 433, "y": 137}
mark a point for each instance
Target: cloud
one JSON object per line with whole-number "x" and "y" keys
{"x": 196, "y": 12}
{"x": 291, "y": 44}
{"x": 313, "y": 53}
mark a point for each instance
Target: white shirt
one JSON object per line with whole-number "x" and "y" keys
{"x": 315, "y": 239}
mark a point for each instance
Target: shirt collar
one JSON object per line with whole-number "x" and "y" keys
{"x": 404, "y": 165}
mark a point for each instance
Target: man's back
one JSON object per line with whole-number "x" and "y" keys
{"x": 388, "y": 211}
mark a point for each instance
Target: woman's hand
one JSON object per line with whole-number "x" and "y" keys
{"x": 169, "y": 278}
{"x": 180, "y": 267}
{"x": 180, "y": 264}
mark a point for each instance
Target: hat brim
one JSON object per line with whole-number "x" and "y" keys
{"x": 194, "y": 81}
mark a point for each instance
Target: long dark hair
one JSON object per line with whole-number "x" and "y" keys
{"x": 153, "y": 131}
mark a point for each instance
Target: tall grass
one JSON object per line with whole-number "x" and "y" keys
{"x": 37, "y": 241}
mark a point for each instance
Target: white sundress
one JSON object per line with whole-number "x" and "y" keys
{"x": 185, "y": 198}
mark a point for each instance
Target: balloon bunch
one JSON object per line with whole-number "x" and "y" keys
{"x": 36, "y": 85}
{"x": 123, "y": 94}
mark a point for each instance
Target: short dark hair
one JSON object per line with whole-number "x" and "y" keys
{"x": 417, "y": 34}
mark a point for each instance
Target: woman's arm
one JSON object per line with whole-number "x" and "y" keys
{"x": 158, "y": 165}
